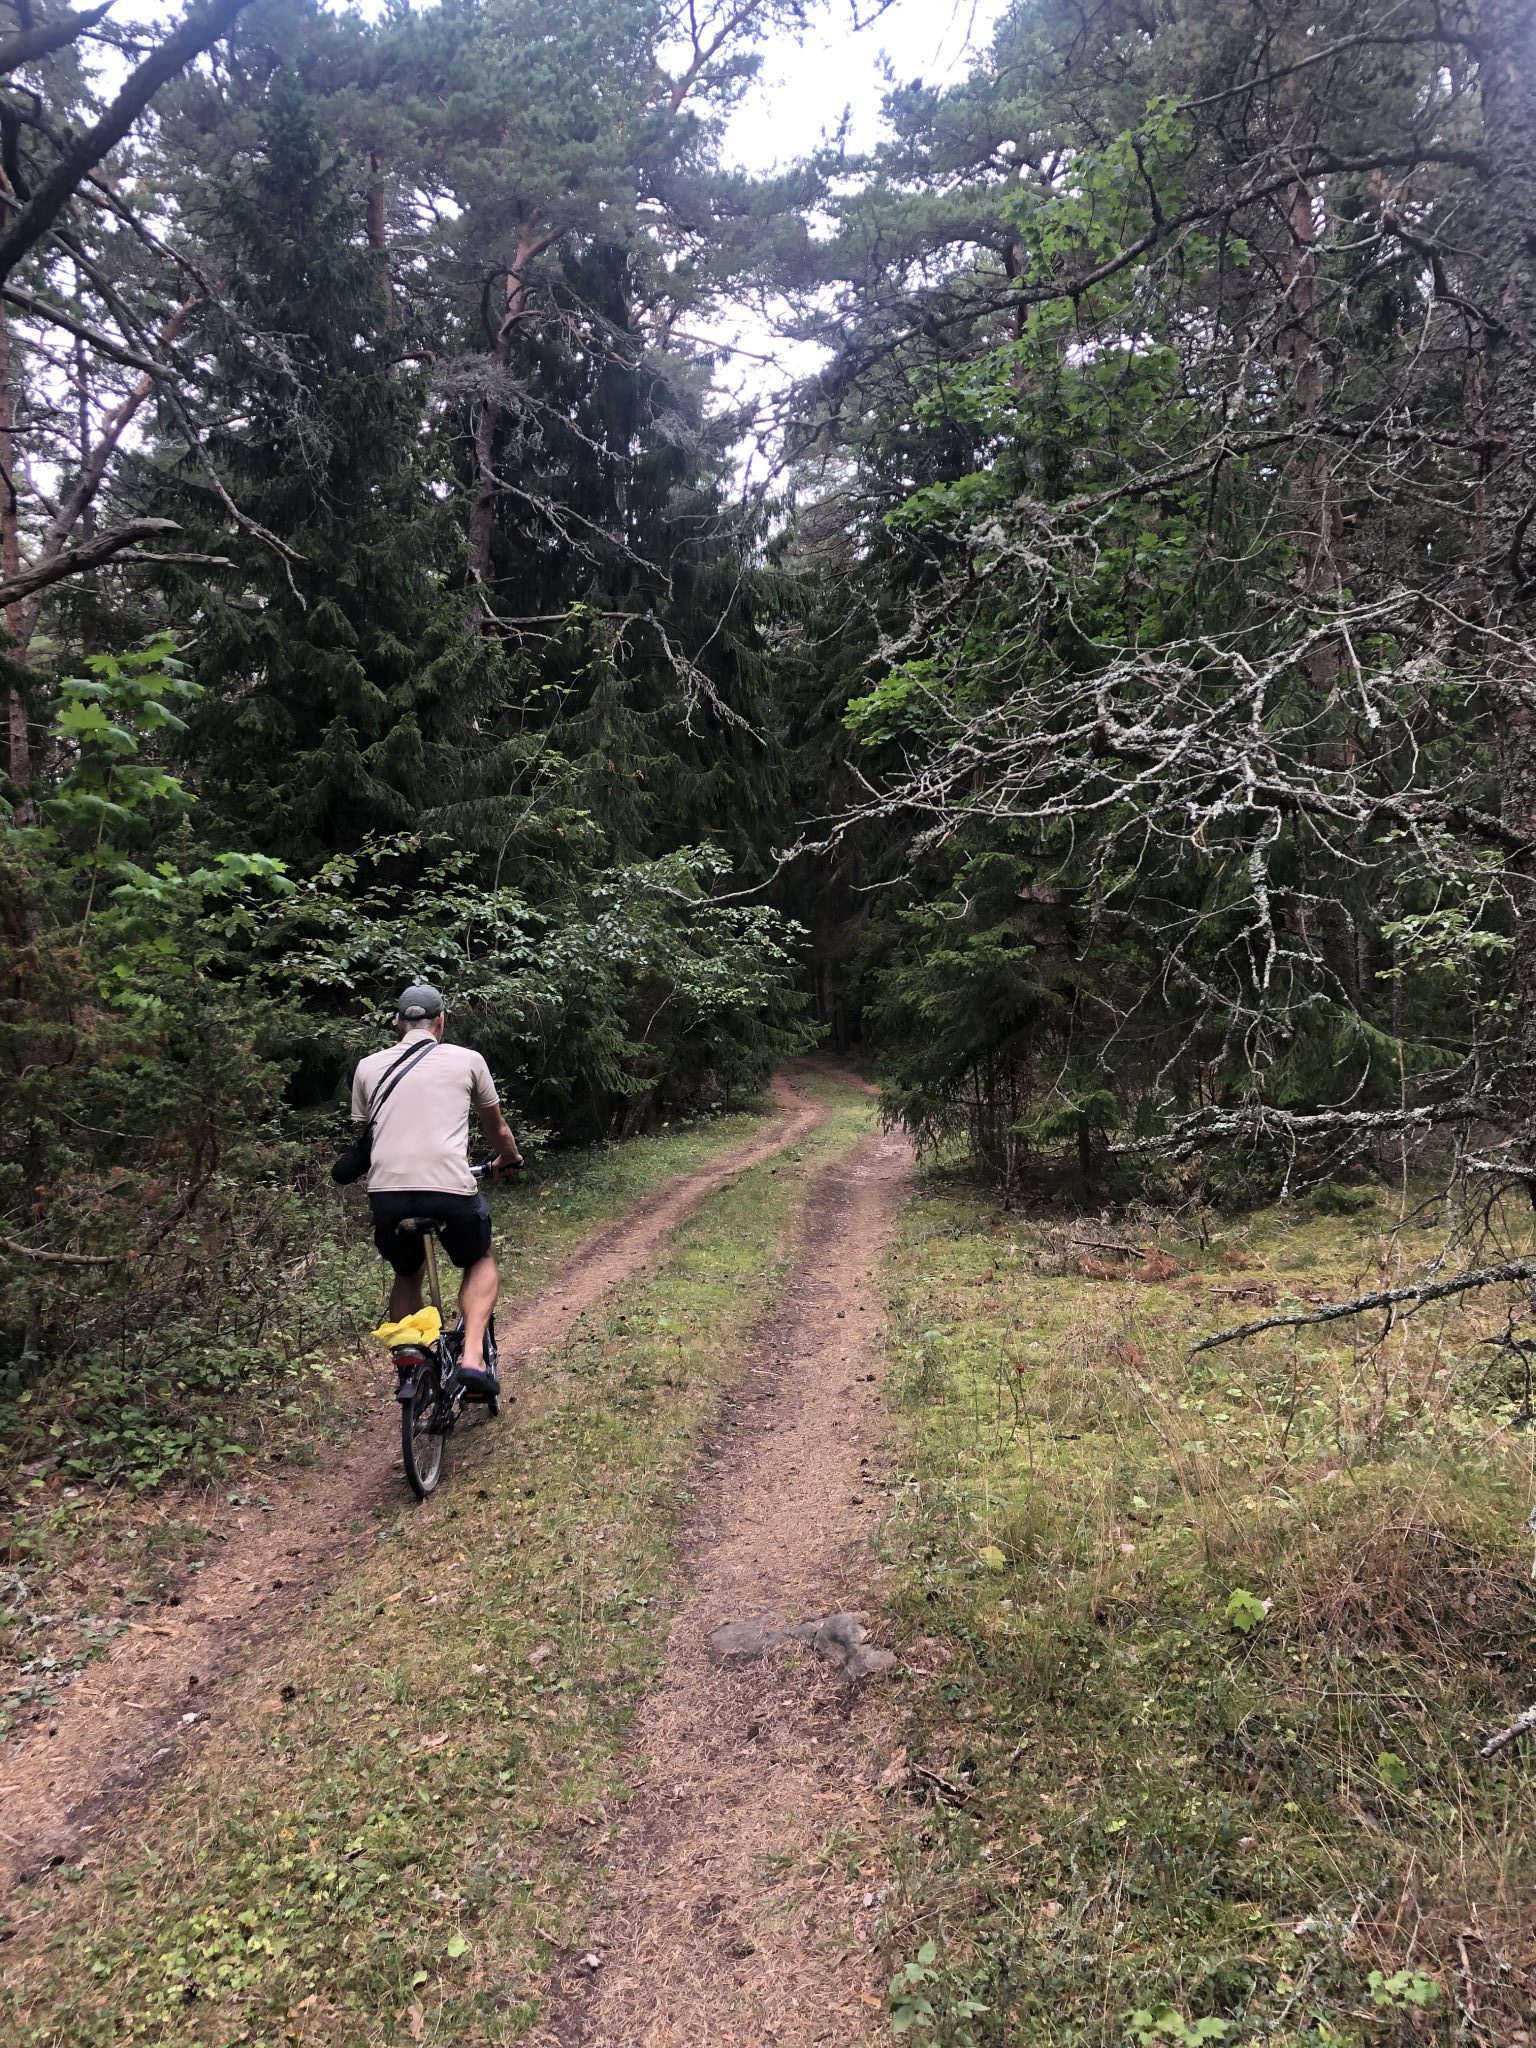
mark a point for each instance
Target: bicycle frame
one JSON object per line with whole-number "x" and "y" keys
{"x": 432, "y": 1293}
{"x": 443, "y": 1346}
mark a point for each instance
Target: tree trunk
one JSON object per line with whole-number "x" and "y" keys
{"x": 376, "y": 226}
{"x": 487, "y": 418}
{"x": 1507, "y": 394}
{"x": 1320, "y": 512}
{"x": 20, "y": 758}
{"x": 1322, "y": 519}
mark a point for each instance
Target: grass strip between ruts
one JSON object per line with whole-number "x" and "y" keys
{"x": 391, "y": 1831}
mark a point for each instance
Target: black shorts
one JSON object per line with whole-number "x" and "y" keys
{"x": 465, "y": 1232}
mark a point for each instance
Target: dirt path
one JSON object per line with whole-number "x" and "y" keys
{"x": 131, "y": 1720}
{"x": 741, "y": 1913}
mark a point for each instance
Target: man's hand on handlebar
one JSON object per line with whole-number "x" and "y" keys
{"x": 506, "y": 1153}
{"x": 503, "y": 1164}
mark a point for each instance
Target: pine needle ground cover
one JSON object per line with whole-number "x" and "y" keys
{"x": 1203, "y": 1649}
{"x": 394, "y": 1834}
{"x": 122, "y": 1485}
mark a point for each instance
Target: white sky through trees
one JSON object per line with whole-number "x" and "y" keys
{"x": 805, "y": 86}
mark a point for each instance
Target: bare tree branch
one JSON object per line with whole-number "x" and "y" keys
{"x": 90, "y": 555}
{"x": 58, "y": 316}
{"x": 27, "y": 1251}
{"x": 83, "y": 152}
{"x": 33, "y": 43}
{"x": 1387, "y": 1297}
{"x": 1521, "y": 1725}
{"x": 78, "y": 498}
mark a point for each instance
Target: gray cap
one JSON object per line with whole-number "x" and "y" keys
{"x": 419, "y": 1002}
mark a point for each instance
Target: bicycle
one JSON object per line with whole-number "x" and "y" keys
{"x": 430, "y": 1378}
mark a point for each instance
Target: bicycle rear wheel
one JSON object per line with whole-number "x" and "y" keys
{"x": 492, "y": 1354}
{"x": 423, "y": 1438}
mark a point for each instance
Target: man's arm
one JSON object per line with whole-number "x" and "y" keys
{"x": 498, "y": 1135}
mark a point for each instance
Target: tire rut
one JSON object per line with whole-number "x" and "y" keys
{"x": 733, "y": 1916}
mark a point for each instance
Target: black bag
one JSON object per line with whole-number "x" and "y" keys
{"x": 355, "y": 1160}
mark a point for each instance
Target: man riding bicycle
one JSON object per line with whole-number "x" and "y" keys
{"x": 418, "y": 1096}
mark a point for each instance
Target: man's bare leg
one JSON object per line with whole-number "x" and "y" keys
{"x": 405, "y": 1295}
{"x": 477, "y": 1297}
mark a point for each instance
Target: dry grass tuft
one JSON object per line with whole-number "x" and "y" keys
{"x": 1413, "y": 1589}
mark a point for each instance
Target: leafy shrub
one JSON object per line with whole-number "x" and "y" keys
{"x": 627, "y": 997}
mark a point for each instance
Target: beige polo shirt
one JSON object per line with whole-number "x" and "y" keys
{"x": 421, "y": 1135}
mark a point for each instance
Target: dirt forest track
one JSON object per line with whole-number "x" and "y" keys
{"x": 740, "y": 1910}
{"x": 132, "y": 1719}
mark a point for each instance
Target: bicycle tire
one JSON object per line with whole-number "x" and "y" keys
{"x": 423, "y": 1442}
{"x": 491, "y": 1355}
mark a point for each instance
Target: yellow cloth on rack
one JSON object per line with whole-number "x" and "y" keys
{"x": 425, "y": 1327}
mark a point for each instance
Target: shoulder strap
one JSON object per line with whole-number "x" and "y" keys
{"x": 396, "y": 1075}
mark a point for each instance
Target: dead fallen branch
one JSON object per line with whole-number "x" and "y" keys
{"x": 27, "y": 1251}
{"x": 1521, "y": 1725}
{"x": 1389, "y": 1298}
{"x": 1210, "y": 1127}
{"x": 958, "y": 1795}
{"x": 1106, "y": 1244}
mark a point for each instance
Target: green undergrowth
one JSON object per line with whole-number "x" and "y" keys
{"x": 1204, "y": 1648}
{"x": 405, "y": 1822}
{"x": 119, "y": 1490}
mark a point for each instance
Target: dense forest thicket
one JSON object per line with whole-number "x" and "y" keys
{"x": 1119, "y": 711}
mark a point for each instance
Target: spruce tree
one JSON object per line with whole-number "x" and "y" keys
{"x": 340, "y": 681}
